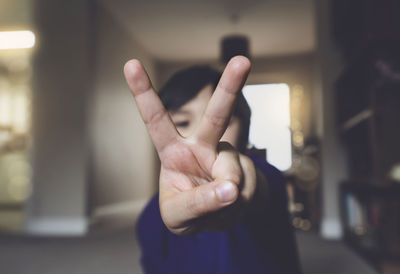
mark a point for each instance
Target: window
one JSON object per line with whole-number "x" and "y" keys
{"x": 270, "y": 122}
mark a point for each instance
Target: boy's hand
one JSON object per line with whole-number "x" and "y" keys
{"x": 202, "y": 181}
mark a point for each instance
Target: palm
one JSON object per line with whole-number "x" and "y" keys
{"x": 187, "y": 163}
{"x": 192, "y": 168}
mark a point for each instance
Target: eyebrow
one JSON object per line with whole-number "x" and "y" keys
{"x": 180, "y": 111}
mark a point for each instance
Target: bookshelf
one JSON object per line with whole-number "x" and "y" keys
{"x": 367, "y": 34}
{"x": 368, "y": 116}
{"x": 371, "y": 217}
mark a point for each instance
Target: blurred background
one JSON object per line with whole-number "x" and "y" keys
{"x": 77, "y": 165}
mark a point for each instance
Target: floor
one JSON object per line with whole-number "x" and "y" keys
{"x": 116, "y": 251}
{"x": 328, "y": 257}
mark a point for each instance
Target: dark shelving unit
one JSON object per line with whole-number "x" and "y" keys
{"x": 368, "y": 115}
{"x": 367, "y": 34}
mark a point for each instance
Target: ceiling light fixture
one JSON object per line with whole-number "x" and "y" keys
{"x": 233, "y": 45}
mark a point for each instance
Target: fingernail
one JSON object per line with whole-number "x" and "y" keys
{"x": 226, "y": 192}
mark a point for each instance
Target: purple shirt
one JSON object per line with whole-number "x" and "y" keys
{"x": 259, "y": 243}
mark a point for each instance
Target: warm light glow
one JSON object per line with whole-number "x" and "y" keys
{"x": 19, "y": 188}
{"x": 20, "y": 123}
{"x": 270, "y": 122}
{"x": 5, "y": 109}
{"x": 14, "y": 111}
{"x": 16, "y": 39}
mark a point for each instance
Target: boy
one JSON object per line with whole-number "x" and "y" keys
{"x": 217, "y": 211}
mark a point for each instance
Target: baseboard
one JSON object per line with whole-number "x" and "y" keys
{"x": 331, "y": 229}
{"x": 121, "y": 208}
{"x": 57, "y": 226}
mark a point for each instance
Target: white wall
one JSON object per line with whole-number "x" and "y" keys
{"x": 123, "y": 167}
{"x": 91, "y": 152}
{"x": 292, "y": 70}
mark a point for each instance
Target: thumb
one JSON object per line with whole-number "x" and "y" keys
{"x": 182, "y": 207}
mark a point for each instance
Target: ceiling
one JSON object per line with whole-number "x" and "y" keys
{"x": 179, "y": 30}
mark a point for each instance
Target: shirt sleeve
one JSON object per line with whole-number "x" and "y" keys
{"x": 271, "y": 226}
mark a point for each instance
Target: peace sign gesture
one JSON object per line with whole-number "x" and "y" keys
{"x": 200, "y": 177}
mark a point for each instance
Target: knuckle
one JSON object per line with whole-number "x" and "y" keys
{"x": 227, "y": 89}
{"x": 155, "y": 118}
{"x": 246, "y": 162}
{"x": 228, "y": 167}
{"x": 235, "y": 177}
{"x": 192, "y": 204}
{"x": 216, "y": 120}
{"x": 198, "y": 204}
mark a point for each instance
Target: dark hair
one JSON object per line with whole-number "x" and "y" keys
{"x": 187, "y": 83}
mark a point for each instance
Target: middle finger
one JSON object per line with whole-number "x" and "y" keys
{"x": 218, "y": 112}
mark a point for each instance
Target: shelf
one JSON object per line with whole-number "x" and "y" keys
{"x": 367, "y": 189}
{"x": 11, "y": 206}
{"x": 371, "y": 221}
{"x": 357, "y": 119}
{"x": 372, "y": 256}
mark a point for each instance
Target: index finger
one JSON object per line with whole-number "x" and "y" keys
{"x": 218, "y": 112}
{"x": 159, "y": 125}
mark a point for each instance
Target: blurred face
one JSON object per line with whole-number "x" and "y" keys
{"x": 188, "y": 116}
